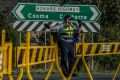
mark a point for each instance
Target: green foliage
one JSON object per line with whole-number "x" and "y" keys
{"x": 110, "y": 21}
{"x": 108, "y": 62}
{"x": 11, "y": 35}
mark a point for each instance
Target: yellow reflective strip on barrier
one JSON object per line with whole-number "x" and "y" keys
{"x": 46, "y": 54}
{"x": 33, "y": 63}
{"x": 53, "y": 54}
{"x": 50, "y": 54}
{"x": 40, "y": 54}
{"x": 93, "y": 49}
{"x": 21, "y": 51}
{"x": 85, "y": 48}
{"x": 77, "y": 46}
{"x": 23, "y": 60}
{"x": 31, "y": 47}
{"x": 22, "y": 47}
{"x": 33, "y": 54}
{"x": 115, "y": 48}
{"x": 21, "y": 65}
{"x": 18, "y": 54}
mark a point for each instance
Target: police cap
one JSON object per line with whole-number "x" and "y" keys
{"x": 68, "y": 17}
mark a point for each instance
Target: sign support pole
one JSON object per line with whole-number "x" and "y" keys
{"x": 92, "y": 57}
{"x": 45, "y": 45}
{"x": 20, "y": 37}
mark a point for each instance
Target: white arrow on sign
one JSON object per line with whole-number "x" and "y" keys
{"x": 18, "y": 11}
{"x": 95, "y": 13}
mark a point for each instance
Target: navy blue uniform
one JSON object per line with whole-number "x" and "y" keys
{"x": 66, "y": 45}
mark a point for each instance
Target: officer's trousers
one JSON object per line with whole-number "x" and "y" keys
{"x": 67, "y": 57}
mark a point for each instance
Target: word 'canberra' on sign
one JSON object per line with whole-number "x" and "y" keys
{"x": 57, "y": 9}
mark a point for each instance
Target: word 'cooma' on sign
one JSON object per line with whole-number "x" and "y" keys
{"x": 37, "y": 16}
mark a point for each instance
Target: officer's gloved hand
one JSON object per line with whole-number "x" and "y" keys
{"x": 79, "y": 22}
{"x": 52, "y": 28}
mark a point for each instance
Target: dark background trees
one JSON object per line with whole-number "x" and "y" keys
{"x": 110, "y": 18}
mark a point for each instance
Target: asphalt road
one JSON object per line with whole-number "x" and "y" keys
{"x": 80, "y": 77}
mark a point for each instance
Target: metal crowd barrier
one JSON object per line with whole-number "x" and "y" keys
{"x": 46, "y": 54}
{"x": 95, "y": 49}
{"x": 98, "y": 49}
{"x": 27, "y": 56}
{"x": 5, "y": 58}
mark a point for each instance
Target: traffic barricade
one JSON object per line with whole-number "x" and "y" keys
{"x": 5, "y": 58}
{"x": 83, "y": 50}
{"x": 38, "y": 55}
{"x": 32, "y": 55}
{"x": 97, "y": 49}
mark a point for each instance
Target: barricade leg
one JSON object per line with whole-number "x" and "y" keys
{"x": 116, "y": 72}
{"x": 10, "y": 77}
{"x": 29, "y": 75}
{"x": 10, "y": 62}
{"x": 61, "y": 73}
{"x": 50, "y": 70}
{"x": 27, "y": 56}
{"x": 57, "y": 64}
{"x": 73, "y": 69}
{"x": 87, "y": 69}
{"x": 21, "y": 73}
{"x": 1, "y": 76}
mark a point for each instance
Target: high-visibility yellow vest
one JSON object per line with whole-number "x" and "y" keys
{"x": 68, "y": 30}
{"x": 67, "y": 33}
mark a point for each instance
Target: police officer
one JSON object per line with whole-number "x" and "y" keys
{"x": 66, "y": 31}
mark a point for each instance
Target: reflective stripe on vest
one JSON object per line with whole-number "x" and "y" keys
{"x": 68, "y": 30}
{"x": 68, "y": 34}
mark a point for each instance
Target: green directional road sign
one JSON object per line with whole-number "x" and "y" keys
{"x": 55, "y": 12}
